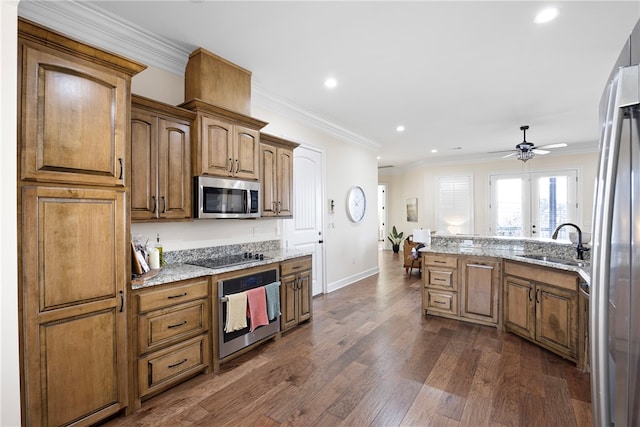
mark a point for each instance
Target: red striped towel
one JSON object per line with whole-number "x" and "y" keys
{"x": 257, "y": 307}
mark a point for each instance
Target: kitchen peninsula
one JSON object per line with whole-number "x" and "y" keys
{"x": 530, "y": 287}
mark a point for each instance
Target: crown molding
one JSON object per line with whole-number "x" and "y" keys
{"x": 93, "y": 25}
{"x": 270, "y": 101}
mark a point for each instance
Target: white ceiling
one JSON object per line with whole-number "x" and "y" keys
{"x": 462, "y": 77}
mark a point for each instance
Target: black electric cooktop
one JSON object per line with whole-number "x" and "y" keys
{"x": 229, "y": 260}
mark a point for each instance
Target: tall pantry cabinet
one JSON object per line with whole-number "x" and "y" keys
{"x": 73, "y": 144}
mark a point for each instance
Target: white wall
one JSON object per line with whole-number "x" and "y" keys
{"x": 9, "y": 366}
{"x": 421, "y": 183}
{"x": 351, "y": 249}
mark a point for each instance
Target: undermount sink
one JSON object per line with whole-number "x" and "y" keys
{"x": 577, "y": 263}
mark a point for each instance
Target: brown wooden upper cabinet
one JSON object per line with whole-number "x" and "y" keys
{"x": 160, "y": 160}
{"x": 74, "y": 113}
{"x": 276, "y": 176}
{"x": 226, "y": 144}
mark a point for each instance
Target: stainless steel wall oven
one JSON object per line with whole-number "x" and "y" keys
{"x": 231, "y": 342}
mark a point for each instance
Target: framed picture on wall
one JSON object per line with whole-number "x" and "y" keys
{"x": 412, "y": 210}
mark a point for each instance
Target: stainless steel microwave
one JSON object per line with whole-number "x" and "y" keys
{"x": 225, "y": 198}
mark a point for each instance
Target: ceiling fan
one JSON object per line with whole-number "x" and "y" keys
{"x": 527, "y": 150}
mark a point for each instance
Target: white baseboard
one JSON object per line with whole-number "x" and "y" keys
{"x": 351, "y": 279}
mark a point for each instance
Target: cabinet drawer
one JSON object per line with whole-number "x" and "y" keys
{"x": 295, "y": 266}
{"x": 163, "y": 368}
{"x": 160, "y": 327}
{"x": 175, "y": 294}
{"x": 445, "y": 302}
{"x": 441, "y": 278}
{"x": 440, "y": 260}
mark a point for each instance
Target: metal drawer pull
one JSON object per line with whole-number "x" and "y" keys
{"x": 177, "y": 364}
{"x": 296, "y": 267}
{"x": 440, "y": 302}
{"x": 184, "y": 294}
{"x": 121, "y": 167}
{"x": 184, "y": 322}
{"x": 479, "y": 266}
{"x": 439, "y": 262}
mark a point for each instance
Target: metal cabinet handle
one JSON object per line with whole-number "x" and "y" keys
{"x": 121, "y": 301}
{"x": 275, "y": 209}
{"x": 537, "y": 294}
{"x": 177, "y": 325}
{"x": 230, "y": 165}
{"x": 279, "y": 207}
{"x": 237, "y": 165}
{"x": 164, "y": 205}
{"x": 530, "y": 289}
{"x": 177, "y": 364}
{"x": 184, "y": 294}
{"x": 121, "y": 167}
{"x": 155, "y": 204}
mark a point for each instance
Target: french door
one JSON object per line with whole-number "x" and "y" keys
{"x": 532, "y": 204}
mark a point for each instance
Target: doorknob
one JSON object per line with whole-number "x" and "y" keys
{"x": 320, "y": 241}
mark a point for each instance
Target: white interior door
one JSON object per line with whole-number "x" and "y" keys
{"x": 304, "y": 231}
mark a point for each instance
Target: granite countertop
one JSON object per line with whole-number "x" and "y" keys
{"x": 182, "y": 271}
{"x": 514, "y": 254}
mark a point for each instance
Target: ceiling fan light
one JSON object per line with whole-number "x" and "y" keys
{"x": 525, "y": 155}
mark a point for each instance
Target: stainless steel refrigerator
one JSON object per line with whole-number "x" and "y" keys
{"x": 615, "y": 280}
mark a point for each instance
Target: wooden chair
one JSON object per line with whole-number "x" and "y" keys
{"x": 409, "y": 261}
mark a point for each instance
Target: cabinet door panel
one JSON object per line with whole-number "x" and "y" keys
{"x": 285, "y": 182}
{"x": 519, "y": 306}
{"x": 287, "y": 302}
{"x": 246, "y": 153}
{"x": 143, "y": 165}
{"x": 174, "y": 171}
{"x": 268, "y": 170}
{"x": 75, "y": 238}
{"x": 480, "y": 289}
{"x": 81, "y": 374}
{"x": 556, "y": 312}
{"x": 217, "y": 147}
{"x": 73, "y": 120}
{"x": 304, "y": 296}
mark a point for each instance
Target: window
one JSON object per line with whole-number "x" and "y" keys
{"x": 454, "y": 210}
{"x": 533, "y": 204}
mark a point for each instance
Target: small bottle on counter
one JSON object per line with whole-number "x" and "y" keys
{"x": 158, "y": 247}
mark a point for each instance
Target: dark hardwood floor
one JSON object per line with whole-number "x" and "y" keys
{"x": 370, "y": 357}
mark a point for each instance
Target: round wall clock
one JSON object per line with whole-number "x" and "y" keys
{"x": 356, "y": 204}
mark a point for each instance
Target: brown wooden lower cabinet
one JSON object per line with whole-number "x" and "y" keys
{"x": 295, "y": 292}
{"x": 541, "y": 304}
{"x": 462, "y": 287}
{"x": 170, "y": 335}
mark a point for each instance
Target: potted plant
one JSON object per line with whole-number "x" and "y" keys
{"x": 395, "y": 238}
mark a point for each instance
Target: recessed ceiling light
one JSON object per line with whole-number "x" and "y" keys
{"x": 400, "y": 128}
{"x": 330, "y": 83}
{"x": 378, "y": 157}
{"x": 435, "y": 150}
{"x": 546, "y": 15}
